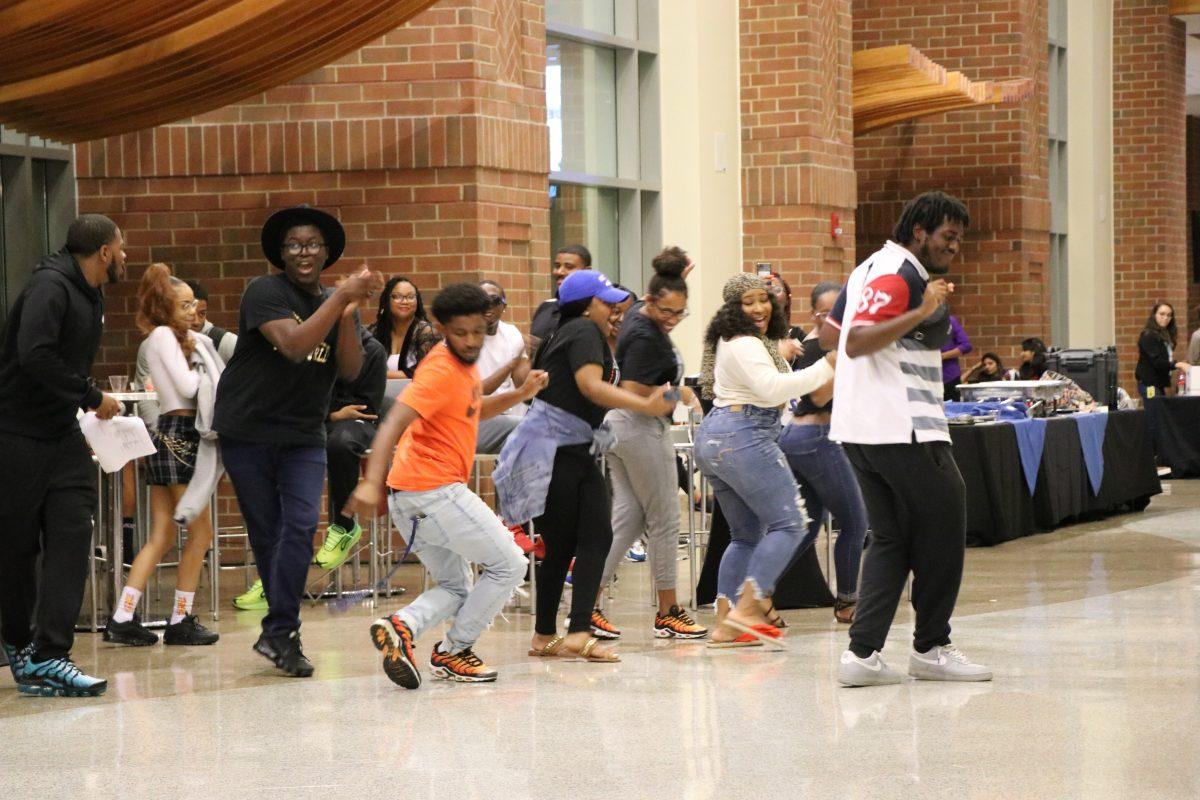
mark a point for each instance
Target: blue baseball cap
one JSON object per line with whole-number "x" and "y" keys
{"x": 585, "y": 283}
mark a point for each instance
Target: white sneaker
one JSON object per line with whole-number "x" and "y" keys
{"x": 946, "y": 663}
{"x": 855, "y": 671}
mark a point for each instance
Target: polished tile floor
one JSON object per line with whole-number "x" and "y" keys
{"x": 1093, "y": 633}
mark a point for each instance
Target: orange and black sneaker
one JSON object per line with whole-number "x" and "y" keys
{"x": 394, "y": 639}
{"x": 602, "y": 628}
{"x": 464, "y": 666}
{"x": 677, "y": 624}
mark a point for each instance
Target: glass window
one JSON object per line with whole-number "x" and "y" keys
{"x": 581, "y": 107}
{"x": 586, "y": 215}
{"x": 594, "y": 15}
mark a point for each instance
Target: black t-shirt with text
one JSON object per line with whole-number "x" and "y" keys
{"x": 576, "y": 343}
{"x": 645, "y": 354}
{"x": 264, "y": 397}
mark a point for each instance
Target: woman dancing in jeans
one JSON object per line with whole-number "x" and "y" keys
{"x": 827, "y": 480}
{"x": 749, "y": 379}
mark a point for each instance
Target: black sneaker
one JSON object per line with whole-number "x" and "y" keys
{"x": 132, "y": 633}
{"x": 189, "y": 631}
{"x": 286, "y": 653}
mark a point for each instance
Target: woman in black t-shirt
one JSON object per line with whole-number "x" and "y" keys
{"x": 825, "y": 476}
{"x": 642, "y": 463}
{"x": 403, "y": 328}
{"x": 576, "y": 523}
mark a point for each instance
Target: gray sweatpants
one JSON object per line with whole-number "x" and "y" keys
{"x": 645, "y": 493}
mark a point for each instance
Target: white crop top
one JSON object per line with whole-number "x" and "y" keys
{"x": 745, "y": 374}
{"x": 175, "y": 381}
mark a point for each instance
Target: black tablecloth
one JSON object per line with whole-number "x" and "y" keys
{"x": 1175, "y": 424}
{"x": 999, "y": 507}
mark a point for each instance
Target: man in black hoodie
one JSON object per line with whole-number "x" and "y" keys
{"x": 47, "y": 479}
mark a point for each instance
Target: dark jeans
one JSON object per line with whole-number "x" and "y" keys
{"x": 577, "y": 523}
{"x": 916, "y": 502}
{"x": 827, "y": 482}
{"x": 348, "y": 440}
{"x": 48, "y": 495}
{"x": 279, "y": 492}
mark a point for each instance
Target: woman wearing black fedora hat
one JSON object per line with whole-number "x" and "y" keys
{"x": 295, "y": 337}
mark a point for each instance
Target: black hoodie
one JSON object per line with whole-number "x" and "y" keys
{"x": 49, "y": 344}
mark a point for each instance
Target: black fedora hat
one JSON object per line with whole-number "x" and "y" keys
{"x": 279, "y": 223}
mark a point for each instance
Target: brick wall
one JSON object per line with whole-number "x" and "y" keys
{"x": 1149, "y": 228}
{"x": 429, "y": 144}
{"x": 797, "y": 140}
{"x": 994, "y": 159}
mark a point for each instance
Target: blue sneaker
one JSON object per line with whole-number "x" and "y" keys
{"x": 17, "y": 658}
{"x": 636, "y": 552}
{"x": 59, "y": 677}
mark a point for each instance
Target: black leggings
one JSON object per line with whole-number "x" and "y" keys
{"x": 577, "y": 524}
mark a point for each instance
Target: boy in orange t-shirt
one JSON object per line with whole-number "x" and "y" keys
{"x": 436, "y": 421}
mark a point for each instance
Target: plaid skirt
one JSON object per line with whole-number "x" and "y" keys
{"x": 175, "y": 460}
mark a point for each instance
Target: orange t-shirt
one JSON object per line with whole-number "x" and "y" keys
{"x": 439, "y": 448}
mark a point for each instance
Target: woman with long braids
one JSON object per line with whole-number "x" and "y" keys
{"x": 826, "y": 478}
{"x": 403, "y": 328}
{"x": 547, "y": 470}
{"x": 749, "y": 380}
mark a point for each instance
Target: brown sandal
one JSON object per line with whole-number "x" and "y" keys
{"x": 552, "y": 649}
{"x": 588, "y": 653}
{"x": 843, "y": 611}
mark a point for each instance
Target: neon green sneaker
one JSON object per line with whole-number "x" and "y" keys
{"x": 253, "y": 599}
{"x": 338, "y": 545}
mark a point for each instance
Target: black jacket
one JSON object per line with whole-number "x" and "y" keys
{"x": 49, "y": 344}
{"x": 368, "y": 388}
{"x": 1154, "y": 363}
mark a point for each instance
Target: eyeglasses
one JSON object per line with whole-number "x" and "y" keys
{"x": 820, "y": 314}
{"x": 296, "y": 248}
{"x": 497, "y": 300}
{"x": 671, "y": 313}
{"x": 403, "y": 298}
{"x": 187, "y": 305}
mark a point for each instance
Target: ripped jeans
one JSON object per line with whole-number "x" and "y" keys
{"x": 737, "y": 452}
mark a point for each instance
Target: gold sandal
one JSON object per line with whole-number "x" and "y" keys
{"x": 588, "y": 653}
{"x": 550, "y": 650}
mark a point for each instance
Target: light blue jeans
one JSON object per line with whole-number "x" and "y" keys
{"x": 755, "y": 487}
{"x": 455, "y": 529}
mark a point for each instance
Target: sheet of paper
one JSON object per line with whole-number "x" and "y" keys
{"x": 116, "y": 441}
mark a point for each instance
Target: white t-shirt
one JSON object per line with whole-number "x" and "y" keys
{"x": 175, "y": 381}
{"x": 497, "y": 351}
{"x": 893, "y": 395}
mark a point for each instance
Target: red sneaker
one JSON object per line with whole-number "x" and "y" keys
{"x": 521, "y": 538}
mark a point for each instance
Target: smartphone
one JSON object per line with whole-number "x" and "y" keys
{"x": 763, "y": 268}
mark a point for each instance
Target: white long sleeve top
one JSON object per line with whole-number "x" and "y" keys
{"x": 745, "y": 374}
{"x": 174, "y": 379}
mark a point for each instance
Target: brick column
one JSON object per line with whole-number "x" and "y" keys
{"x": 1149, "y": 186}
{"x": 797, "y": 140}
{"x": 994, "y": 159}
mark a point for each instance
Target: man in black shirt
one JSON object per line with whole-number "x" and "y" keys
{"x": 47, "y": 479}
{"x": 571, "y": 258}
{"x": 295, "y": 338}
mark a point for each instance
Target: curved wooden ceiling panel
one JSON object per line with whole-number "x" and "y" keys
{"x": 71, "y": 74}
{"x": 898, "y": 83}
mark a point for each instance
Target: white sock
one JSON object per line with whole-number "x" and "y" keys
{"x": 183, "y": 606}
{"x": 127, "y": 604}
